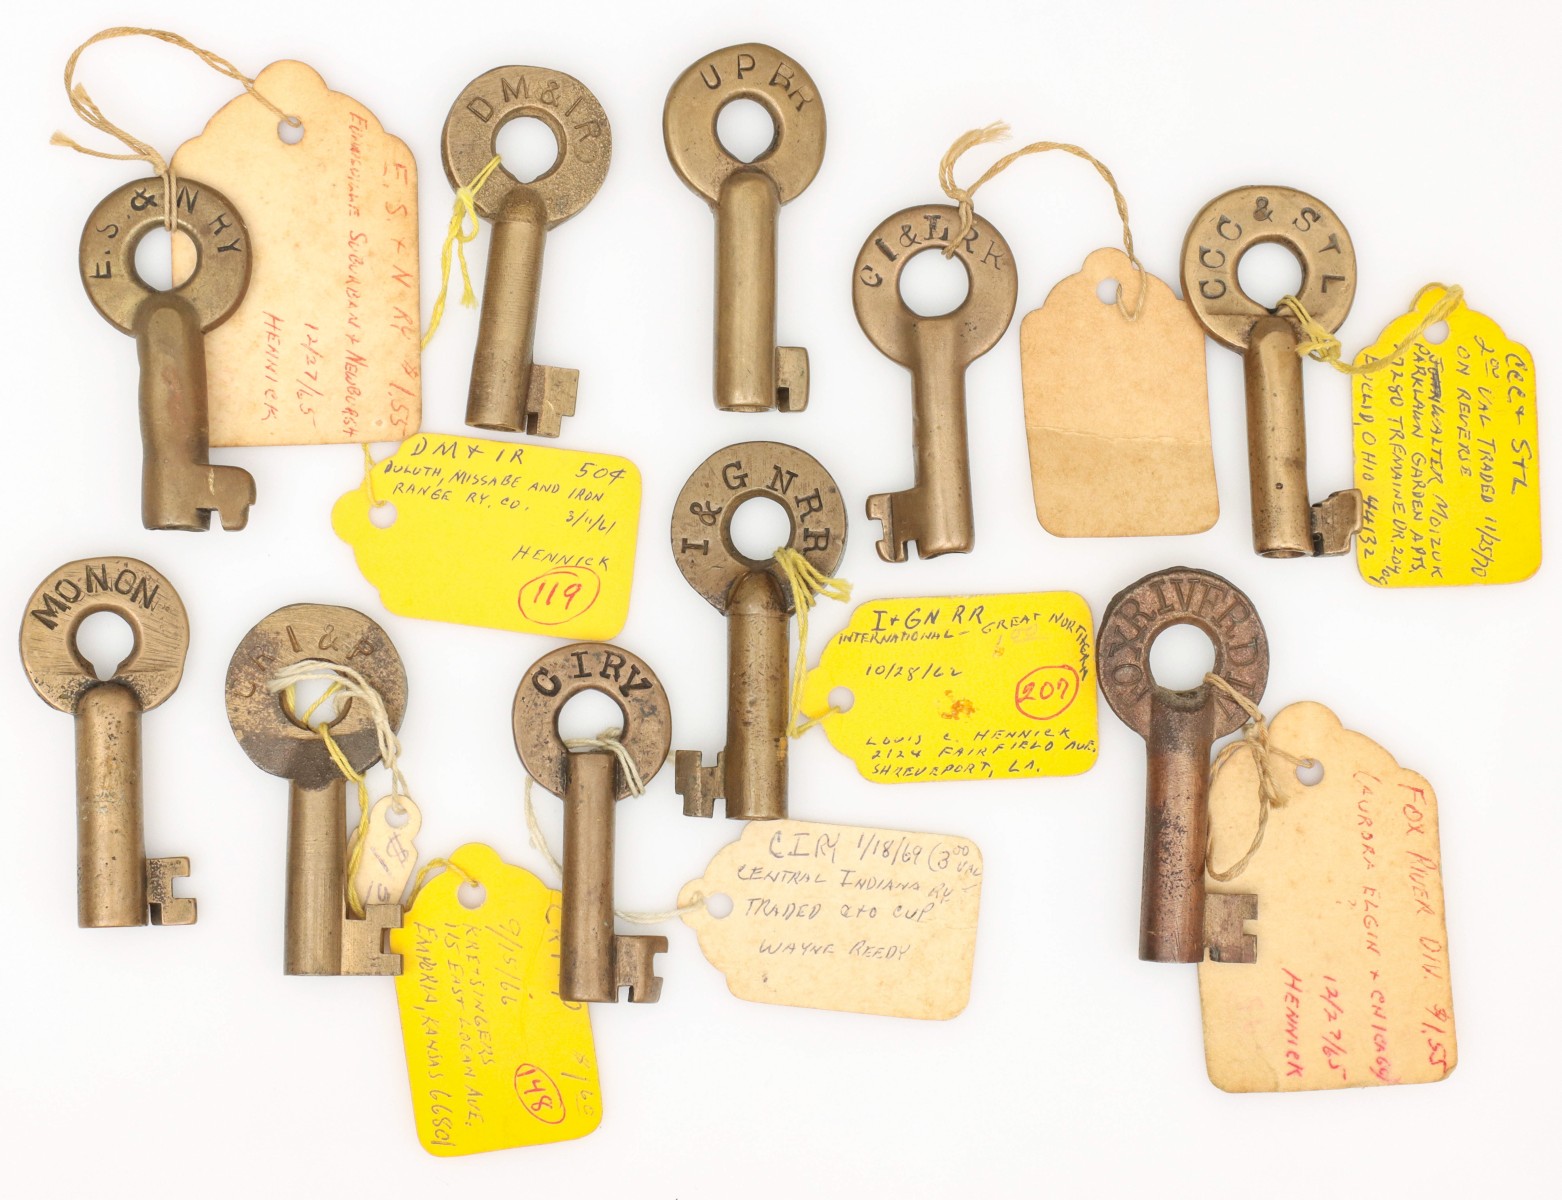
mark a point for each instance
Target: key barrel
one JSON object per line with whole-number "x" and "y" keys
{"x": 586, "y": 927}
{"x": 110, "y": 847}
{"x": 1179, "y": 728}
{"x": 751, "y": 370}
{"x": 502, "y": 362}
{"x": 755, "y": 760}
{"x": 316, "y": 852}
{"x": 1277, "y": 440}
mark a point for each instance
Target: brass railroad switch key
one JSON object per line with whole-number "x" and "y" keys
{"x": 322, "y": 938}
{"x": 753, "y": 374}
{"x": 1177, "y": 922}
{"x": 116, "y": 884}
{"x": 751, "y": 772}
{"x": 1284, "y": 525}
{"x": 936, "y": 513}
{"x": 180, "y": 489}
{"x": 508, "y": 390}
{"x": 594, "y": 962}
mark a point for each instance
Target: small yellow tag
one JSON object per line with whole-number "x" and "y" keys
{"x": 1351, "y": 985}
{"x": 843, "y": 917}
{"x": 1447, "y": 456}
{"x": 325, "y": 346}
{"x": 962, "y": 687}
{"x": 495, "y": 1058}
{"x": 530, "y": 538}
{"x": 390, "y": 851}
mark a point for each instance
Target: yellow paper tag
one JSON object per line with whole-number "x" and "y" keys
{"x": 494, "y": 1057}
{"x": 1351, "y": 985}
{"x": 1447, "y": 456}
{"x": 1117, "y": 411}
{"x": 530, "y": 538}
{"x": 325, "y": 346}
{"x": 843, "y": 917}
{"x": 962, "y": 687}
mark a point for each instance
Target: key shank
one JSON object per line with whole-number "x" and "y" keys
{"x": 586, "y": 957}
{"x": 179, "y": 487}
{"x": 508, "y": 391}
{"x": 1277, "y": 441}
{"x": 110, "y": 848}
{"x": 1176, "y": 829}
{"x": 753, "y": 374}
{"x": 316, "y": 854}
{"x": 758, "y": 658}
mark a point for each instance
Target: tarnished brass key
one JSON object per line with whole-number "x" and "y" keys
{"x": 753, "y": 374}
{"x": 180, "y": 489}
{"x": 509, "y": 391}
{"x": 936, "y": 513}
{"x": 594, "y": 962}
{"x": 1284, "y": 525}
{"x": 322, "y": 937}
{"x": 751, "y": 772}
{"x": 1176, "y": 920}
{"x": 116, "y": 884}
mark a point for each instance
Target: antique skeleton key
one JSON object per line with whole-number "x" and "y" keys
{"x": 936, "y": 513}
{"x": 1177, "y": 921}
{"x": 753, "y": 374}
{"x": 116, "y": 884}
{"x": 594, "y": 962}
{"x": 508, "y": 390}
{"x": 751, "y": 772}
{"x": 180, "y": 489}
{"x": 322, "y": 937}
{"x": 1284, "y": 525}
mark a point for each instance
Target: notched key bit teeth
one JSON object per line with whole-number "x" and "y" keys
{"x": 550, "y": 397}
{"x": 892, "y": 545}
{"x": 634, "y": 966}
{"x": 232, "y": 492}
{"x": 1224, "y": 934}
{"x": 791, "y": 378}
{"x": 165, "y": 907}
{"x": 363, "y": 941}
{"x": 1336, "y": 521}
{"x": 700, "y": 786}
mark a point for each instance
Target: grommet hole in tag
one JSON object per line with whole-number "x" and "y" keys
{"x": 745, "y": 129}
{"x": 529, "y": 148}
{"x": 1309, "y": 772}
{"x": 719, "y": 905}
{"x": 290, "y": 130}
{"x": 471, "y": 895}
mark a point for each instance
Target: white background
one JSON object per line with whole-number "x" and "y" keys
{"x": 157, "y": 1060}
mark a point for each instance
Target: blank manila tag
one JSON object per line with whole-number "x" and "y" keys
{"x": 962, "y": 687}
{"x": 1351, "y": 985}
{"x": 843, "y": 917}
{"x": 324, "y": 348}
{"x": 1117, "y": 411}
{"x": 495, "y": 1058}
{"x": 1447, "y": 455}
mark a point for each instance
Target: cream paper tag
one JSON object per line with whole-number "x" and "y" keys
{"x": 843, "y": 917}
{"x": 1351, "y": 986}
{"x": 324, "y": 348}
{"x": 1117, "y": 411}
{"x": 389, "y": 851}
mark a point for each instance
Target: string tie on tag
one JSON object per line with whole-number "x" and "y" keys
{"x": 607, "y": 740}
{"x": 456, "y": 238}
{"x": 807, "y": 584}
{"x": 1255, "y": 740}
{"x": 83, "y": 105}
{"x": 1321, "y": 345}
{"x": 346, "y": 683}
{"x": 433, "y": 865}
{"x": 998, "y": 131}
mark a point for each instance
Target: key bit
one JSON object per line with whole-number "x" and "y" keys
{"x": 180, "y": 488}
{"x": 936, "y": 513}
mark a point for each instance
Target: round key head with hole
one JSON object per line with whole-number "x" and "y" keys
{"x": 562, "y": 103}
{"x": 126, "y": 215}
{"x": 1232, "y": 224}
{"x": 127, "y": 587}
{"x": 702, "y": 518}
{"x": 1143, "y": 611}
{"x": 560, "y": 675}
{"x": 980, "y": 319}
{"x": 748, "y": 72}
{"x": 282, "y": 744}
